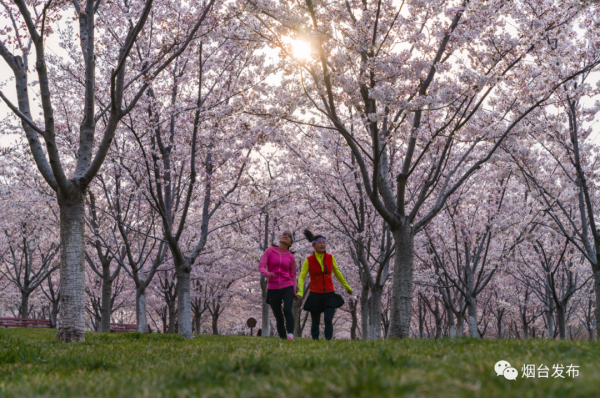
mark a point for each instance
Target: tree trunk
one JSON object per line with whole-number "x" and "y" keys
{"x": 451, "y": 324}
{"x": 597, "y": 291}
{"x": 375, "y": 313}
{"x": 550, "y": 322}
{"x": 421, "y": 318}
{"x": 106, "y": 300}
{"x": 438, "y": 320}
{"x": 364, "y": 312}
{"x": 499, "y": 326}
{"x": 460, "y": 324}
{"x": 562, "y": 327}
{"x": 524, "y": 323}
{"x": 402, "y": 286}
{"x": 72, "y": 271}
{"x": 197, "y": 320}
{"x": 184, "y": 305}
{"x": 215, "y": 321}
{"x": 140, "y": 310}
{"x": 265, "y": 307}
{"x": 354, "y": 324}
{"x": 172, "y": 314}
{"x": 297, "y": 312}
{"x": 164, "y": 319}
{"x": 54, "y": 314}
{"x": 472, "y": 317}
{"x": 25, "y": 304}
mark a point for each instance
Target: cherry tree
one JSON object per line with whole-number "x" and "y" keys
{"x": 563, "y": 181}
{"x": 134, "y": 241}
{"x": 196, "y": 148}
{"x": 336, "y": 195}
{"x": 474, "y": 244}
{"x": 122, "y": 81}
{"x": 28, "y": 229}
{"x": 103, "y": 307}
{"x": 415, "y": 76}
{"x": 99, "y": 304}
{"x": 51, "y": 290}
{"x": 554, "y": 272}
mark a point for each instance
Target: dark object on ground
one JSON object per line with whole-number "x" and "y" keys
{"x": 25, "y": 323}
{"x": 259, "y": 332}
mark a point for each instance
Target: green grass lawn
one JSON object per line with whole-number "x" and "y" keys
{"x": 34, "y": 364}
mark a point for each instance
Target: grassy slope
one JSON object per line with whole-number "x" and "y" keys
{"x": 32, "y": 363}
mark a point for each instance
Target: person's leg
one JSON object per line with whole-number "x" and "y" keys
{"x": 288, "y": 301}
{"x": 276, "y": 299}
{"x": 315, "y": 318}
{"x": 329, "y": 312}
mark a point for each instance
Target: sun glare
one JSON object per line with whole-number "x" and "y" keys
{"x": 300, "y": 49}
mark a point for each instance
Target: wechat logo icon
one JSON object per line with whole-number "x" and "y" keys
{"x": 503, "y": 368}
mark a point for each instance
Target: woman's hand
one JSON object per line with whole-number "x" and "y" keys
{"x": 297, "y": 298}
{"x": 270, "y": 275}
{"x": 349, "y": 291}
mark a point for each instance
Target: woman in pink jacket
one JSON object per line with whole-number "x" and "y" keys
{"x": 278, "y": 265}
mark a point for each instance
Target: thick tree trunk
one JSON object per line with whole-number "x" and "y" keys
{"x": 184, "y": 304}
{"x": 365, "y": 325}
{"x": 140, "y": 310}
{"x": 375, "y": 314}
{"x": 265, "y": 307}
{"x": 72, "y": 271}
{"x": 472, "y": 317}
{"x": 562, "y": 326}
{"x": 402, "y": 286}
{"x": 25, "y": 304}
{"x": 106, "y": 301}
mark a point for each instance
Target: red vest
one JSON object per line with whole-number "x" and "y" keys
{"x": 320, "y": 279}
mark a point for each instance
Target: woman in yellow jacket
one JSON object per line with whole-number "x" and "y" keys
{"x": 322, "y": 297}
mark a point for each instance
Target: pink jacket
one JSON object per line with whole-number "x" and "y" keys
{"x": 283, "y": 265}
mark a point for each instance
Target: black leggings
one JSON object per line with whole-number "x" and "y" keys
{"x": 316, "y": 319}
{"x": 287, "y": 296}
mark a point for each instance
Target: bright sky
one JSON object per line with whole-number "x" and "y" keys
{"x": 301, "y": 50}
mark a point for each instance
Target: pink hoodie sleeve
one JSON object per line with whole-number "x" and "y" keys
{"x": 293, "y": 272}
{"x": 262, "y": 266}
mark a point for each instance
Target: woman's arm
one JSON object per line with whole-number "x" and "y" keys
{"x": 339, "y": 276}
{"x": 303, "y": 273}
{"x": 262, "y": 265}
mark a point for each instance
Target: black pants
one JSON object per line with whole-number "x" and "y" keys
{"x": 316, "y": 319}
{"x": 276, "y": 297}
